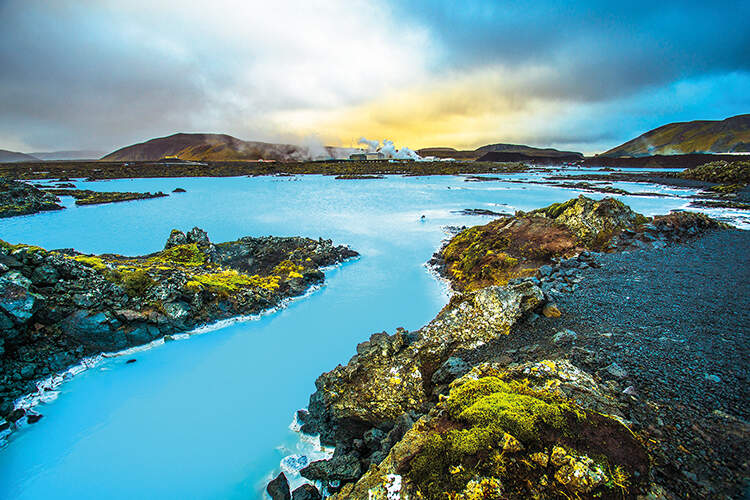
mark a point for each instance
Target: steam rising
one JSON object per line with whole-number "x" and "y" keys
{"x": 389, "y": 149}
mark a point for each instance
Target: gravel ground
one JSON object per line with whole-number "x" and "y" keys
{"x": 676, "y": 324}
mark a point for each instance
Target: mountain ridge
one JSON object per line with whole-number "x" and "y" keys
{"x": 219, "y": 147}
{"x": 529, "y": 151}
{"x": 14, "y": 156}
{"x": 731, "y": 135}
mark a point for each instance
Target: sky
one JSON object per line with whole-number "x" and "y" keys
{"x": 583, "y": 76}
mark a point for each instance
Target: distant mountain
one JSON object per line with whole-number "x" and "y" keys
{"x": 12, "y": 156}
{"x": 700, "y": 136}
{"x": 70, "y": 155}
{"x": 526, "y": 151}
{"x": 220, "y": 147}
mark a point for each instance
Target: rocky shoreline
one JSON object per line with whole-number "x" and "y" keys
{"x": 452, "y": 408}
{"x": 61, "y": 306}
{"x": 96, "y": 170}
{"x": 20, "y": 198}
{"x": 88, "y": 197}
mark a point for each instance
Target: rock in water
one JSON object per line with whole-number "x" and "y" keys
{"x": 342, "y": 468}
{"x": 278, "y": 489}
{"x": 19, "y": 198}
{"x": 306, "y": 492}
{"x": 392, "y": 374}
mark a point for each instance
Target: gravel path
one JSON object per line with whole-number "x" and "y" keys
{"x": 676, "y": 324}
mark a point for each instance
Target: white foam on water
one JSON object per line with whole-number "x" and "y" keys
{"x": 306, "y": 450}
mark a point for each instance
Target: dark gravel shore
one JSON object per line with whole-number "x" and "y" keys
{"x": 669, "y": 329}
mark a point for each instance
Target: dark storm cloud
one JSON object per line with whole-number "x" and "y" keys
{"x": 69, "y": 79}
{"x": 100, "y": 74}
{"x": 596, "y": 50}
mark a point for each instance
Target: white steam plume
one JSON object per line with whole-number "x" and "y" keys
{"x": 371, "y": 145}
{"x": 389, "y": 149}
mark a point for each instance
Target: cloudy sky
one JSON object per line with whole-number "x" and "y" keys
{"x": 101, "y": 74}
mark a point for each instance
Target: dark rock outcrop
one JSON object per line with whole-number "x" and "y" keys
{"x": 88, "y": 197}
{"x": 367, "y": 406}
{"x": 536, "y": 430}
{"x": 278, "y": 489}
{"x": 441, "y": 412}
{"x": 19, "y": 198}
{"x": 57, "y": 307}
{"x": 513, "y": 247}
{"x": 306, "y": 492}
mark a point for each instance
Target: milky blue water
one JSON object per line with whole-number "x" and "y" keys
{"x": 208, "y": 417}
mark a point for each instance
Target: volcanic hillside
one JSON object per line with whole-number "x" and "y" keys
{"x": 11, "y": 156}
{"x": 700, "y": 136}
{"x": 218, "y": 147}
{"x": 497, "y": 148}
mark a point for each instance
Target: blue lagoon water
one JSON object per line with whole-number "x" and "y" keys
{"x": 208, "y": 417}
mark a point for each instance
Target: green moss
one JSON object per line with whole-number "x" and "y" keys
{"x": 288, "y": 269}
{"x": 31, "y": 249}
{"x": 641, "y": 219}
{"x": 725, "y": 172}
{"x": 556, "y": 209}
{"x": 184, "y": 255}
{"x": 477, "y": 257}
{"x": 727, "y": 188}
{"x": 136, "y": 283}
{"x": 487, "y": 409}
{"x": 91, "y": 261}
{"x": 506, "y": 407}
{"x": 226, "y": 282}
{"x": 193, "y": 286}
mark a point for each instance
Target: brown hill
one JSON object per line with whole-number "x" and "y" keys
{"x": 12, "y": 156}
{"x": 700, "y": 136}
{"x": 218, "y": 147}
{"x": 525, "y": 151}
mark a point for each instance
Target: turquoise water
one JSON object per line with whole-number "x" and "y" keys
{"x": 208, "y": 417}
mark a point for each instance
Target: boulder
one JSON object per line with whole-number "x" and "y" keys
{"x": 306, "y": 492}
{"x": 44, "y": 275}
{"x": 143, "y": 333}
{"x": 177, "y": 312}
{"x": 92, "y": 330}
{"x": 197, "y": 235}
{"x": 592, "y": 220}
{"x": 278, "y": 489}
{"x": 345, "y": 468}
{"x": 16, "y": 299}
{"x": 432, "y": 461}
{"x": 551, "y": 311}
{"x": 176, "y": 237}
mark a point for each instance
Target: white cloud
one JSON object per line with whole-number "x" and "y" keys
{"x": 238, "y": 65}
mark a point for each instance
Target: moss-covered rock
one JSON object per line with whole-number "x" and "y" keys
{"x": 504, "y": 249}
{"x": 60, "y": 306}
{"x": 513, "y": 247}
{"x": 722, "y": 172}
{"x": 593, "y": 222}
{"x": 19, "y": 198}
{"x": 512, "y": 433}
{"x": 88, "y": 197}
{"x": 392, "y": 374}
